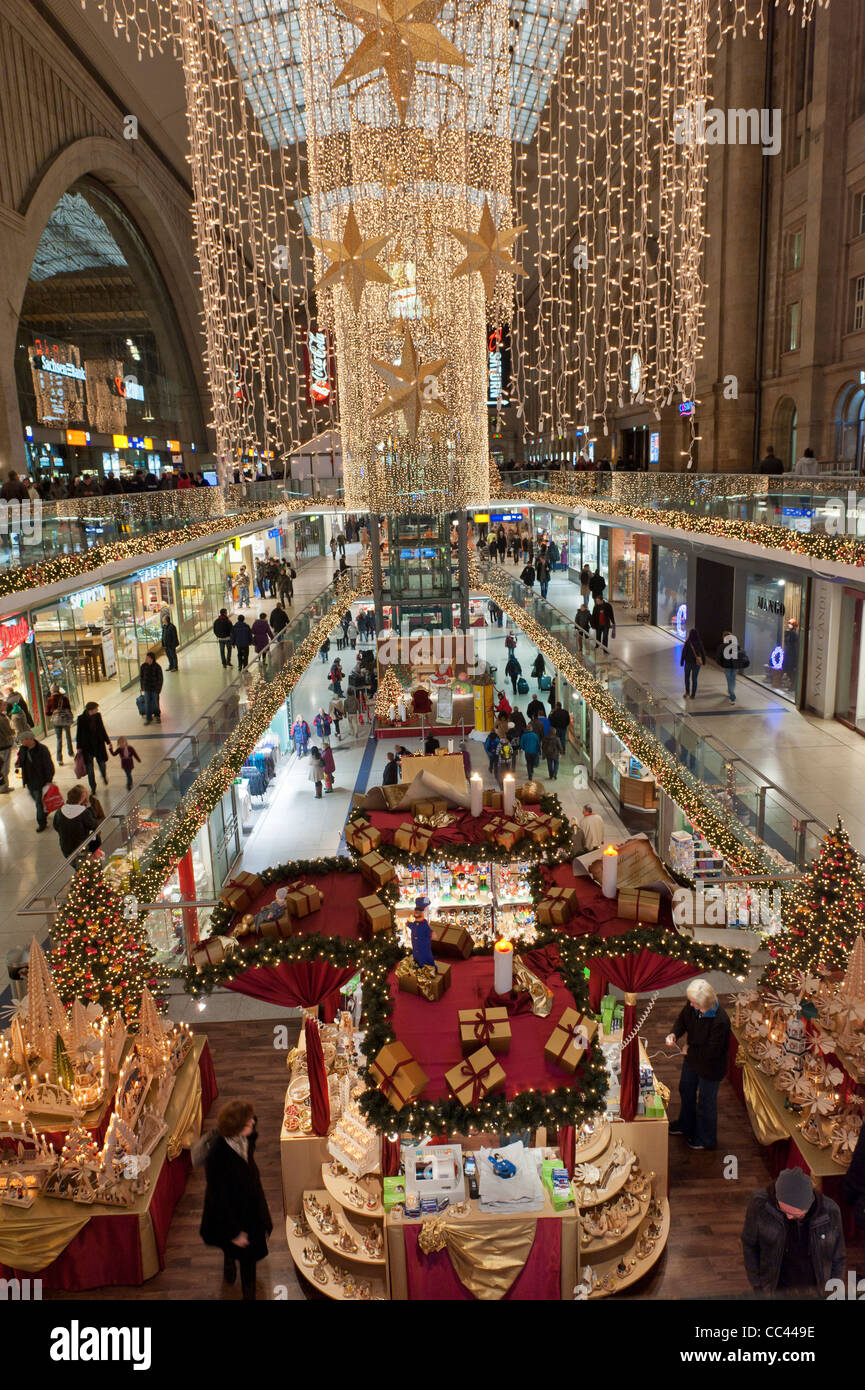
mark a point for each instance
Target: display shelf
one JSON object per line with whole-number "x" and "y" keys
{"x": 446, "y": 904}
{"x": 330, "y": 1289}
{"x": 336, "y": 1188}
{"x": 329, "y": 1242}
{"x": 608, "y": 1267}
{"x": 610, "y": 1243}
{"x": 609, "y": 1192}
{"x": 596, "y": 1145}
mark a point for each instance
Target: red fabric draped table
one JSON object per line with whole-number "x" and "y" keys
{"x": 337, "y": 915}
{"x": 466, "y": 829}
{"x": 431, "y": 1032}
{"x": 548, "y": 1276}
{"x": 128, "y": 1246}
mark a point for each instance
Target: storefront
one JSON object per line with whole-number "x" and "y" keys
{"x": 630, "y": 566}
{"x": 850, "y": 683}
{"x": 76, "y": 644}
{"x": 671, "y": 590}
{"x": 553, "y": 526}
{"x": 773, "y": 626}
{"x": 19, "y": 666}
{"x": 589, "y": 544}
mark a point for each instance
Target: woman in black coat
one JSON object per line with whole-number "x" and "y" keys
{"x": 92, "y": 742}
{"x": 236, "y": 1217}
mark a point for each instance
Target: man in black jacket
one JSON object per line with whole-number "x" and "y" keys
{"x": 707, "y": 1030}
{"x": 37, "y": 771}
{"x": 278, "y": 620}
{"x": 560, "y": 720}
{"x": 390, "y": 776}
{"x": 222, "y": 633}
{"x": 170, "y": 641}
{"x": 771, "y": 464}
{"x": 793, "y": 1239}
{"x": 151, "y": 684}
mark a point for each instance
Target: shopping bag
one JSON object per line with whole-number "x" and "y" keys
{"x": 140, "y": 705}
{"x": 79, "y": 766}
{"x": 52, "y": 798}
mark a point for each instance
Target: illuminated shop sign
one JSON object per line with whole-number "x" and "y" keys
{"x": 156, "y": 571}
{"x": 12, "y": 635}
{"x": 686, "y": 407}
{"x": 317, "y": 364}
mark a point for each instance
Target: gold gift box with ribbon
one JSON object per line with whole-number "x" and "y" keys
{"x": 397, "y": 1075}
{"x": 475, "y": 1077}
{"x": 433, "y": 807}
{"x": 569, "y": 1039}
{"x": 414, "y": 839}
{"x": 303, "y": 901}
{"x": 373, "y": 916}
{"x": 638, "y": 904}
{"x": 485, "y": 1028}
{"x": 557, "y": 906}
{"x": 423, "y": 981}
{"x": 376, "y": 870}
{"x": 508, "y": 833}
{"x": 362, "y": 836}
{"x": 448, "y": 939}
{"x": 494, "y": 801}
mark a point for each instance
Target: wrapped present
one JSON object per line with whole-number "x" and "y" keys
{"x": 278, "y": 928}
{"x": 251, "y": 882}
{"x": 529, "y": 792}
{"x": 494, "y": 801}
{"x": 491, "y": 828}
{"x": 557, "y": 906}
{"x": 415, "y": 839}
{"x": 448, "y": 939}
{"x": 638, "y": 904}
{"x": 485, "y": 1028}
{"x": 569, "y": 1039}
{"x": 373, "y": 916}
{"x": 507, "y": 834}
{"x": 397, "y": 1075}
{"x": 212, "y": 951}
{"x": 393, "y": 795}
{"x": 537, "y": 828}
{"x": 235, "y": 896}
{"x": 477, "y": 1076}
{"x": 362, "y": 836}
{"x": 303, "y": 901}
{"x": 376, "y": 870}
{"x": 426, "y": 981}
{"x": 434, "y": 806}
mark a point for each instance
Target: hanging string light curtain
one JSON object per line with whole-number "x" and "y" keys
{"x": 614, "y": 190}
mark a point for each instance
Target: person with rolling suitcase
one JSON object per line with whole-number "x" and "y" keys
{"x": 513, "y": 671}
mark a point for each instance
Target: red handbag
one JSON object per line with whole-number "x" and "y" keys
{"x": 52, "y": 798}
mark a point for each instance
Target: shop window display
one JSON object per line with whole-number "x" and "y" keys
{"x": 671, "y": 590}
{"x": 773, "y": 625}
{"x": 491, "y": 901}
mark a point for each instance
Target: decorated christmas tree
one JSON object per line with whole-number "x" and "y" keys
{"x": 823, "y": 914}
{"x": 388, "y": 694}
{"x": 99, "y": 955}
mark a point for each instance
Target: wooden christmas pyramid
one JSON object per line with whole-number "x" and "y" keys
{"x": 853, "y": 986}
{"x": 46, "y": 1016}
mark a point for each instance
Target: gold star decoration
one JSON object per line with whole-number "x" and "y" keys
{"x": 354, "y": 262}
{"x": 412, "y": 386}
{"x": 487, "y": 251}
{"x": 397, "y": 35}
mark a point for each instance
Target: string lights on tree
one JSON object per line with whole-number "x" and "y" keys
{"x": 823, "y": 914}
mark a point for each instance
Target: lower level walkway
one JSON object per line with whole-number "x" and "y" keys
{"x": 28, "y": 858}
{"x": 819, "y": 762}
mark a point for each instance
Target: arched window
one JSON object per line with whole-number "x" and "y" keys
{"x": 850, "y": 429}
{"x": 100, "y": 355}
{"x": 784, "y": 429}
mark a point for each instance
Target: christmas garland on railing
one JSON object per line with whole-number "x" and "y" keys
{"x": 266, "y": 697}
{"x": 80, "y": 562}
{"x": 698, "y": 804}
{"x": 844, "y": 550}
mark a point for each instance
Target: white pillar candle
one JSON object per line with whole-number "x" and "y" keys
{"x": 450, "y": 745}
{"x": 509, "y": 793}
{"x": 503, "y": 967}
{"x": 477, "y": 792}
{"x": 611, "y": 871}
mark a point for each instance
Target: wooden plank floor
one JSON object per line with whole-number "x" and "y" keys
{"x": 702, "y": 1260}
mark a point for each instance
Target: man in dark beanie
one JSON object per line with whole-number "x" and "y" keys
{"x": 793, "y": 1241}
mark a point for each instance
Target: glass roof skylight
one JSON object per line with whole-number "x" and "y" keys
{"x": 263, "y": 39}
{"x": 75, "y": 238}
